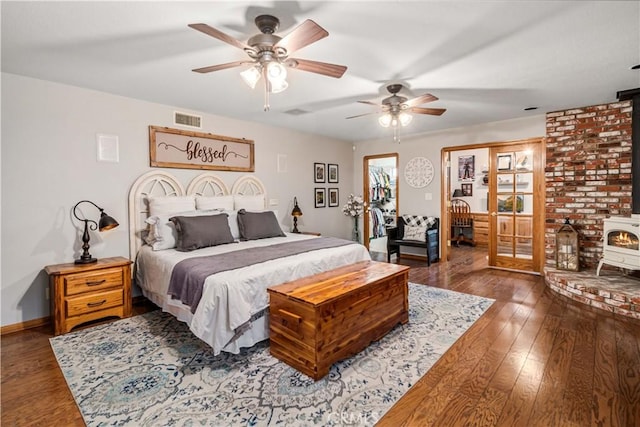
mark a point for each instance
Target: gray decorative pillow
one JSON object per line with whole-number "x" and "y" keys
{"x": 258, "y": 225}
{"x": 195, "y": 232}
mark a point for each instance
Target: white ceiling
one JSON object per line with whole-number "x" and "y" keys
{"x": 485, "y": 61}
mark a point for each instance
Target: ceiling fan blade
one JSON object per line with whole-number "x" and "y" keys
{"x": 210, "y": 31}
{"x": 369, "y": 102}
{"x": 324, "y": 68}
{"x": 432, "y": 111}
{"x": 303, "y": 35}
{"x": 361, "y": 115}
{"x": 427, "y": 97}
{"x": 221, "y": 66}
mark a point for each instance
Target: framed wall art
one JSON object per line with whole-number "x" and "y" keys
{"x": 175, "y": 148}
{"x": 467, "y": 189}
{"x": 319, "y": 172}
{"x": 320, "y": 197}
{"x": 332, "y": 173}
{"x": 466, "y": 168}
{"x": 504, "y": 162}
{"x": 334, "y": 197}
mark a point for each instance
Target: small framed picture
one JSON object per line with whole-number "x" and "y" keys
{"x": 466, "y": 168}
{"x": 467, "y": 189}
{"x": 504, "y": 162}
{"x": 332, "y": 173}
{"x": 319, "y": 172}
{"x": 320, "y": 197}
{"x": 334, "y": 196}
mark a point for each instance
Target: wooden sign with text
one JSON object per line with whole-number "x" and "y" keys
{"x": 174, "y": 148}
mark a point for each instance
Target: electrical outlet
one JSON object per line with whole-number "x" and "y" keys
{"x": 273, "y": 202}
{"x": 428, "y": 196}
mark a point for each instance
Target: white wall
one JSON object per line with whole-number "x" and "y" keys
{"x": 478, "y": 200}
{"x": 49, "y": 164}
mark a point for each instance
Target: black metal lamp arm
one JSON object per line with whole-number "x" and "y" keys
{"x": 86, "y": 257}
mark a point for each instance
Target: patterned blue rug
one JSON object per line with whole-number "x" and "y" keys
{"x": 150, "y": 370}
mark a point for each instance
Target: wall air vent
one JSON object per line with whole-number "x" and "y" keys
{"x": 189, "y": 120}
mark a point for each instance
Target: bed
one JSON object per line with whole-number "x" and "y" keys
{"x": 231, "y": 311}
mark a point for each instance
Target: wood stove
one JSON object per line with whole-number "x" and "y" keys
{"x": 621, "y": 246}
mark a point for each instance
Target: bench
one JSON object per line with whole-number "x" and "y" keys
{"x": 430, "y": 242}
{"x": 318, "y": 320}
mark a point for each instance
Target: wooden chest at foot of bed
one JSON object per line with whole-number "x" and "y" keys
{"x": 317, "y": 320}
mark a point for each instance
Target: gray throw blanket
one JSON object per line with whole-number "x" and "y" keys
{"x": 188, "y": 276}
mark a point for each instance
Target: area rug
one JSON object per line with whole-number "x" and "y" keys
{"x": 150, "y": 370}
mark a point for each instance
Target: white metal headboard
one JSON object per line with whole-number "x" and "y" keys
{"x": 153, "y": 183}
{"x": 249, "y": 185}
{"x": 207, "y": 184}
{"x": 163, "y": 184}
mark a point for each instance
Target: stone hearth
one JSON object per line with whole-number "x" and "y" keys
{"x": 611, "y": 291}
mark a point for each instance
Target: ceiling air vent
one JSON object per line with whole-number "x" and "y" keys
{"x": 188, "y": 120}
{"x": 296, "y": 112}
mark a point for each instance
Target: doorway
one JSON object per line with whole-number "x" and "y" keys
{"x": 509, "y": 219}
{"x": 381, "y": 196}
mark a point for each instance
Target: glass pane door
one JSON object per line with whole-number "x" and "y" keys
{"x": 511, "y": 207}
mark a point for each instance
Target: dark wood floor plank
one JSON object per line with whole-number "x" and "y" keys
{"x": 607, "y": 408}
{"x": 519, "y": 405}
{"x": 547, "y": 410}
{"x": 629, "y": 373}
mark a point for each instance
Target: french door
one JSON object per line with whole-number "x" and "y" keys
{"x": 516, "y": 206}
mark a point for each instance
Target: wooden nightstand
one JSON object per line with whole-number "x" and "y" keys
{"x": 84, "y": 292}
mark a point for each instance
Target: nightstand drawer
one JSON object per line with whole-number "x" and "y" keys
{"x": 94, "y": 302}
{"x": 93, "y": 281}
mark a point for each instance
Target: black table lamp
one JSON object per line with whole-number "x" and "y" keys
{"x": 105, "y": 223}
{"x": 457, "y": 193}
{"x": 295, "y": 213}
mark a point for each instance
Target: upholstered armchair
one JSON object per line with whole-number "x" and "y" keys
{"x": 415, "y": 231}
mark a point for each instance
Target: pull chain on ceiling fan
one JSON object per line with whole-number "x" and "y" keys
{"x": 269, "y": 54}
{"x": 396, "y": 109}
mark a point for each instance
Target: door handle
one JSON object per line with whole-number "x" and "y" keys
{"x": 494, "y": 214}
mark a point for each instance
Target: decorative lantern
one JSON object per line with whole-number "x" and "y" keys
{"x": 567, "y": 249}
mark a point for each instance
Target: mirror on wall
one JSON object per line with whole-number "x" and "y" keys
{"x": 380, "y": 177}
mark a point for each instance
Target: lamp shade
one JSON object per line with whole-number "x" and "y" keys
{"x": 458, "y": 193}
{"x": 106, "y": 222}
{"x": 251, "y": 76}
{"x": 296, "y": 209}
{"x": 295, "y": 213}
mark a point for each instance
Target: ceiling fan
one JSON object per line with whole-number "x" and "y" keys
{"x": 395, "y": 109}
{"x": 269, "y": 53}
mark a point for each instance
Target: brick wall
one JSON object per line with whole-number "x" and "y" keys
{"x": 588, "y": 174}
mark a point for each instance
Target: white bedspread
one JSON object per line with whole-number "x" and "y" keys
{"x": 230, "y": 298}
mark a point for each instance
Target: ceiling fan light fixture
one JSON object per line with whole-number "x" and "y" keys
{"x": 276, "y": 72}
{"x": 279, "y": 86}
{"x": 385, "y": 120}
{"x": 405, "y": 118}
{"x": 251, "y": 76}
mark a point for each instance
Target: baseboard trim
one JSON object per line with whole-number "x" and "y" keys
{"x": 23, "y": 326}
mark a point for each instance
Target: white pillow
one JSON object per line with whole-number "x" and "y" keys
{"x": 162, "y": 232}
{"x": 233, "y": 224}
{"x": 415, "y": 232}
{"x": 170, "y": 205}
{"x": 219, "y": 202}
{"x": 248, "y": 203}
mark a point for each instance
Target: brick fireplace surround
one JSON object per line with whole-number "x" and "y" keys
{"x": 588, "y": 178}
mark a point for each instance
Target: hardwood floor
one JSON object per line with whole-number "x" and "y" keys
{"x": 533, "y": 359}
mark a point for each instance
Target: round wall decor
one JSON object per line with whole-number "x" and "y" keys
{"x": 419, "y": 172}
